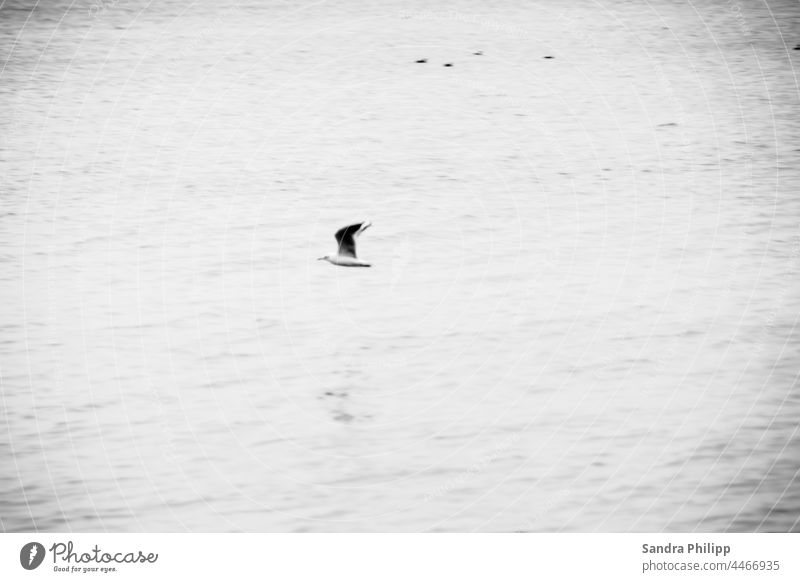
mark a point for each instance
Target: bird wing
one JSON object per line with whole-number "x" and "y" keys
{"x": 346, "y": 237}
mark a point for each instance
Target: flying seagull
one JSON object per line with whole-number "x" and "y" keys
{"x": 346, "y": 237}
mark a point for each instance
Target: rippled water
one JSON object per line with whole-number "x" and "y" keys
{"x": 582, "y": 314}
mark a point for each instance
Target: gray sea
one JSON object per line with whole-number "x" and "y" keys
{"x": 582, "y": 313}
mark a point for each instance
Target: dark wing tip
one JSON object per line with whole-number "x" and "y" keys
{"x": 345, "y": 236}
{"x": 352, "y": 230}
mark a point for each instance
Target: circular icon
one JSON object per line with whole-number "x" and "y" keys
{"x": 31, "y": 555}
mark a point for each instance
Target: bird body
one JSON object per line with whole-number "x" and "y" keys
{"x": 346, "y": 237}
{"x": 346, "y": 261}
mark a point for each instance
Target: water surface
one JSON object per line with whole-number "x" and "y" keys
{"x": 582, "y": 314}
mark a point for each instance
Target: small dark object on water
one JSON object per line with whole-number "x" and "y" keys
{"x": 477, "y": 54}
{"x": 422, "y": 61}
{"x": 448, "y": 64}
{"x": 548, "y": 57}
{"x": 797, "y": 48}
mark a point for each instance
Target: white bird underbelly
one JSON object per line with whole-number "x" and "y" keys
{"x": 347, "y": 261}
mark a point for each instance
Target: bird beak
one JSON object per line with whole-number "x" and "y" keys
{"x": 321, "y": 259}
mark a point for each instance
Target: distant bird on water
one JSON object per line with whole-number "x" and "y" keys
{"x": 346, "y": 237}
